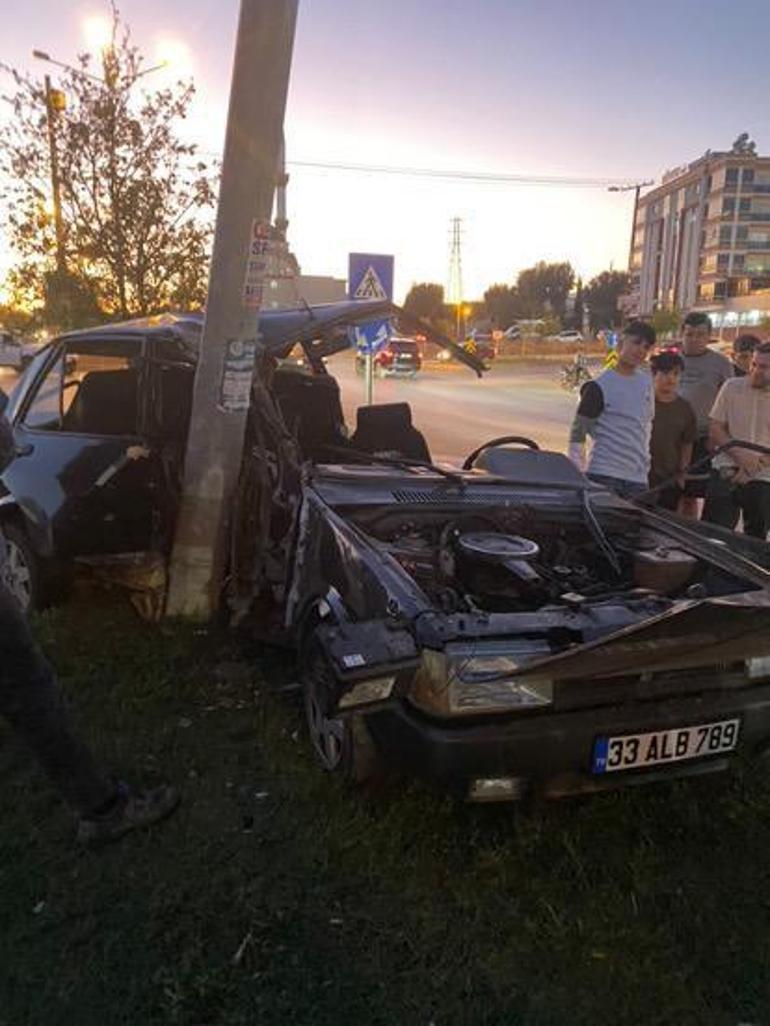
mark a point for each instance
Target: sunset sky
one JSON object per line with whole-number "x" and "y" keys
{"x": 597, "y": 88}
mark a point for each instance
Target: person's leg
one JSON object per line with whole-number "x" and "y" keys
{"x": 32, "y": 704}
{"x": 721, "y": 506}
{"x": 697, "y": 481}
{"x": 754, "y": 500}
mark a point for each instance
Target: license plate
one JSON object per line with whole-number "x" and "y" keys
{"x": 635, "y": 751}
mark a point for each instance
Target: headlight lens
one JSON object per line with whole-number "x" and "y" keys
{"x": 758, "y": 668}
{"x": 453, "y": 683}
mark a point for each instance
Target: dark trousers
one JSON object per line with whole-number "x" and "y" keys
{"x": 31, "y": 702}
{"x": 726, "y": 501}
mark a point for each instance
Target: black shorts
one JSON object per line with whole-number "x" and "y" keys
{"x": 696, "y": 483}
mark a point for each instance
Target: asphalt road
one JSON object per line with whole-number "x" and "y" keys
{"x": 456, "y": 411}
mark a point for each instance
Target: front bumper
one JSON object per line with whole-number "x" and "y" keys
{"x": 551, "y": 751}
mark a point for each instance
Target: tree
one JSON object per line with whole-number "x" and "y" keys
{"x": 501, "y": 303}
{"x": 426, "y": 300}
{"x": 602, "y": 294}
{"x": 136, "y": 201}
{"x": 665, "y": 321}
{"x": 543, "y": 289}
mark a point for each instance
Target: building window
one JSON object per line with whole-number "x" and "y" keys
{"x": 723, "y": 261}
{"x": 748, "y": 176}
{"x": 731, "y": 176}
{"x": 738, "y": 261}
{"x": 725, "y": 234}
{"x": 742, "y": 233}
{"x": 720, "y": 289}
{"x": 728, "y": 206}
{"x": 745, "y": 205}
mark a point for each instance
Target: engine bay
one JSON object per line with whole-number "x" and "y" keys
{"x": 518, "y": 559}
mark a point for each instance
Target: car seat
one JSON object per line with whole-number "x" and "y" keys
{"x": 105, "y": 404}
{"x": 387, "y": 427}
{"x": 311, "y": 409}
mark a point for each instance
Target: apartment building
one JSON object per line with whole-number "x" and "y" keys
{"x": 702, "y": 239}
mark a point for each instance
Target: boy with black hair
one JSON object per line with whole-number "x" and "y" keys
{"x": 616, "y": 410}
{"x": 705, "y": 371}
{"x": 743, "y": 348}
{"x": 673, "y": 430}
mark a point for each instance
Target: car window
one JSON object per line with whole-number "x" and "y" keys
{"x": 403, "y": 347}
{"x": 86, "y": 391}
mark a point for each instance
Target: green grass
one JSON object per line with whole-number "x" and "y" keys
{"x": 275, "y": 896}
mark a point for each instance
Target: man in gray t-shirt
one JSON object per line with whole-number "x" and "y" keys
{"x": 705, "y": 371}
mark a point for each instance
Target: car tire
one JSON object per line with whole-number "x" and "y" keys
{"x": 341, "y": 744}
{"x": 33, "y": 581}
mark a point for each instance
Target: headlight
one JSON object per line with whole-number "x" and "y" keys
{"x": 454, "y": 683}
{"x": 758, "y": 668}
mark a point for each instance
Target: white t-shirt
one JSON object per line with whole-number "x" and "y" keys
{"x": 746, "y": 412}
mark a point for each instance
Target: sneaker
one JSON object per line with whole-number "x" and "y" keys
{"x": 132, "y": 810}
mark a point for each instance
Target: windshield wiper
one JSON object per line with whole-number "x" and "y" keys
{"x": 395, "y": 461}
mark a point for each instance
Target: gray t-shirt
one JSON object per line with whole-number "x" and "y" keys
{"x": 701, "y": 380}
{"x": 620, "y": 408}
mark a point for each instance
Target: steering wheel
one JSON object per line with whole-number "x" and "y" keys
{"x": 504, "y": 440}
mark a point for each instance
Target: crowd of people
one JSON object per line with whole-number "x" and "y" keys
{"x": 670, "y": 437}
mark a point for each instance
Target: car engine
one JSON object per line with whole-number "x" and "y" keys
{"x": 516, "y": 560}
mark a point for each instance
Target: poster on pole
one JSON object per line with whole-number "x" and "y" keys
{"x": 370, "y": 276}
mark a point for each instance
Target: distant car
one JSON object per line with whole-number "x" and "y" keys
{"x": 400, "y": 357}
{"x": 568, "y": 336}
{"x": 11, "y": 351}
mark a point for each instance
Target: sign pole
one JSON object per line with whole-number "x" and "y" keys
{"x": 369, "y": 378}
{"x": 221, "y": 394}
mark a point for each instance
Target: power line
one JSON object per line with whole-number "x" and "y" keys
{"x": 466, "y": 176}
{"x": 484, "y": 177}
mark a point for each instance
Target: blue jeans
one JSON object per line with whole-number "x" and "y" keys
{"x": 625, "y": 489}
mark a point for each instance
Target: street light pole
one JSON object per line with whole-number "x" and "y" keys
{"x": 226, "y": 360}
{"x": 54, "y": 101}
{"x": 637, "y": 188}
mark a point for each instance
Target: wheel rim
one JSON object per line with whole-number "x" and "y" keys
{"x": 327, "y": 734}
{"x": 19, "y": 575}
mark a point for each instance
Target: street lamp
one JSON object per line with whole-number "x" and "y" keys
{"x": 637, "y": 188}
{"x": 108, "y": 80}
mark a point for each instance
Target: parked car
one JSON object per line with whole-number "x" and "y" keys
{"x": 568, "y": 335}
{"x": 502, "y": 627}
{"x": 399, "y": 357}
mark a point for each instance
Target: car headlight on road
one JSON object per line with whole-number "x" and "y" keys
{"x": 758, "y": 668}
{"x": 453, "y": 684}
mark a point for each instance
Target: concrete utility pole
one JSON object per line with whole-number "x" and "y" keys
{"x": 637, "y": 188}
{"x": 260, "y": 82}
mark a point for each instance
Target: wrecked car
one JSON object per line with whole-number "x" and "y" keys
{"x": 501, "y": 628}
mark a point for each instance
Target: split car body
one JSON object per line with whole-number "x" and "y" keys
{"x": 501, "y": 627}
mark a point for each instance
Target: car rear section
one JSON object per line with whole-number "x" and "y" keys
{"x": 400, "y": 357}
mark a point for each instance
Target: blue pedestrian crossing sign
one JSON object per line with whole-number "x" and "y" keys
{"x": 370, "y": 276}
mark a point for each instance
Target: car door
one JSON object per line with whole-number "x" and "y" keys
{"x": 83, "y": 476}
